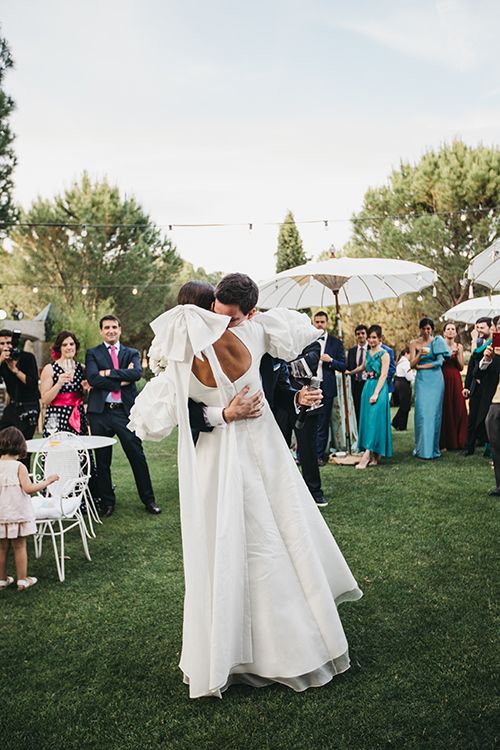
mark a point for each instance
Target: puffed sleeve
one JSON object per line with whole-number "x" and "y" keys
{"x": 154, "y": 414}
{"x": 287, "y": 332}
{"x": 440, "y": 347}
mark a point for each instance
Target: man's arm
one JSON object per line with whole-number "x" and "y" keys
{"x": 311, "y": 354}
{"x": 27, "y": 365}
{"x": 95, "y": 379}
{"x": 204, "y": 418}
{"x": 392, "y": 364}
{"x": 336, "y": 361}
{"x": 132, "y": 373}
{"x": 470, "y": 373}
{"x": 197, "y": 420}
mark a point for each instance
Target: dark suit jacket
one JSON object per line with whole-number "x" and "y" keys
{"x": 392, "y": 367}
{"x": 276, "y": 385}
{"x": 489, "y": 382}
{"x": 335, "y": 349}
{"x": 351, "y": 360}
{"x": 99, "y": 358}
{"x": 472, "y": 374}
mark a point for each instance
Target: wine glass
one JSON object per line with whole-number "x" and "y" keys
{"x": 52, "y": 424}
{"x": 68, "y": 365}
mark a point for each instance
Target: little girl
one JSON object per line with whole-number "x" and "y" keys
{"x": 17, "y": 518}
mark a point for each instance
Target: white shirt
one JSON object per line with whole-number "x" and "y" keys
{"x": 322, "y": 343}
{"x": 403, "y": 369}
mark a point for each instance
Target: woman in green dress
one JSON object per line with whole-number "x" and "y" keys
{"x": 375, "y": 437}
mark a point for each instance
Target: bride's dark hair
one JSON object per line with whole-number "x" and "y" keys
{"x": 199, "y": 293}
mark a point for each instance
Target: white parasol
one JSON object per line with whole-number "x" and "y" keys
{"x": 344, "y": 281}
{"x": 472, "y": 309}
{"x": 484, "y": 269}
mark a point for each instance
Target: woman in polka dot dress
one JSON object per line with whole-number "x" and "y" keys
{"x": 62, "y": 386}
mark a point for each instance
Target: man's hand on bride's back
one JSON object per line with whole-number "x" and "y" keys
{"x": 243, "y": 406}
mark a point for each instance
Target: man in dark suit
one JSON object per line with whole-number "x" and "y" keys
{"x": 355, "y": 357}
{"x": 332, "y": 360}
{"x": 112, "y": 370}
{"x": 489, "y": 375}
{"x": 473, "y": 389}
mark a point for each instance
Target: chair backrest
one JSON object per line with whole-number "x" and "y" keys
{"x": 63, "y": 454}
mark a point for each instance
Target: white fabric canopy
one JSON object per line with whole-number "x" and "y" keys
{"x": 355, "y": 279}
{"x": 484, "y": 269}
{"x": 472, "y": 309}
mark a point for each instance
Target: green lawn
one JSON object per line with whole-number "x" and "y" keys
{"x": 92, "y": 663}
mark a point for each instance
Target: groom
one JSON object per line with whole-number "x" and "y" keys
{"x": 236, "y": 295}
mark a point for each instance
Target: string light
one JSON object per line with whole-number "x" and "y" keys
{"x": 420, "y": 298}
{"x": 35, "y": 290}
{"x": 396, "y": 218}
{"x": 84, "y": 291}
{"x": 134, "y": 290}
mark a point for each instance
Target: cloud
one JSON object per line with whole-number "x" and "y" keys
{"x": 459, "y": 34}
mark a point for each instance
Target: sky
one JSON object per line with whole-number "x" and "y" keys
{"x": 234, "y": 112}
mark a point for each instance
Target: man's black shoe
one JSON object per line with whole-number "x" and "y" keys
{"x": 468, "y": 452}
{"x": 494, "y": 493}
{"x": 108, "y": 511}
{"x": 153, "y": 508}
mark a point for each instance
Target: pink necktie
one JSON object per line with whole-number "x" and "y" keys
{"x": 115, "y": 395}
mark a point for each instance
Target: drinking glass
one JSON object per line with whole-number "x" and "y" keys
{"x": 52, "y": 424}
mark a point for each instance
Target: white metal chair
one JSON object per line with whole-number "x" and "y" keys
{"x": 64, "y": 453}
{"x": 58, "y": 510}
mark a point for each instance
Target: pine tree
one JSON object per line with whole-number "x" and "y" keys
{"x": 441, "y": 211}
{"x": 7, "y": 157}
{"x": 290, "y": 252}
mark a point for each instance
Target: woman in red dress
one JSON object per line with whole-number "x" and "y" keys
{"x": 454, "y": 422}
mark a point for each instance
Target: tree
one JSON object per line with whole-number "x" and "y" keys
{"x": 7, "y": 157}
{"x": 441, "y": 212}
{"x": 290, "y": 252}
{"x": 108, "y": 249}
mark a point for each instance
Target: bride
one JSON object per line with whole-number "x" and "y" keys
{"x": 263, "y": 574}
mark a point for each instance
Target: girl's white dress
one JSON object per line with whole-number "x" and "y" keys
{"x": 263, "y": 573}
{"x": 17, "y": 517}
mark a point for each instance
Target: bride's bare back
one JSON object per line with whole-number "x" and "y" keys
{"x": 233, "y": 356}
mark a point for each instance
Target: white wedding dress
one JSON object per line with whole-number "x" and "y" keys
{"x": 263, "y": 572}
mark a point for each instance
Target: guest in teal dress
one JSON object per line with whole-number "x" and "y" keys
{"x": 375, "y": 437}
{"x": 427, "y": 354}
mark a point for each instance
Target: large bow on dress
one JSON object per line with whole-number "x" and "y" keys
{"x": 183, "y": 331}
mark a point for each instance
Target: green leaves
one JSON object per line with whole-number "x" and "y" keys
{"x": 441, "y": 211}
{"x": 102, "y": 247}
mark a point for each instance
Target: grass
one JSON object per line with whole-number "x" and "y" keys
{"x": 92, "y": 663}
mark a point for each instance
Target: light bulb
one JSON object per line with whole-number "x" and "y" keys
{"x": 84, "y": 230}
{"x": 134, "y": 290}
{"x": 463, "y": 216}
{"x": 35, "y": 290}
{"x": 84, "y": 291}
{"x": 419, "y": 298}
